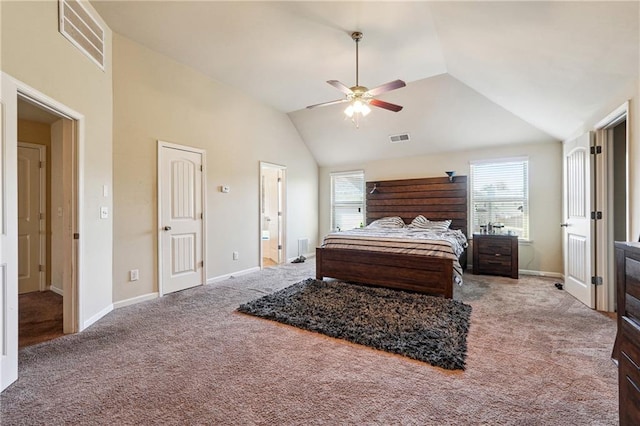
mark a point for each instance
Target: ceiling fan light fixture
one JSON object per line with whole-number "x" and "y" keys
{"x": 360, "y": 97}
{"x": 357, "y": 107}
{"x": 349, "y": 111}
{"x": 361, "y": 108}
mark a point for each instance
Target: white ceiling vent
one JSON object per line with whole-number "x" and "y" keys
{"x": 401, "y": 137}
{"x": 81, "y": 29}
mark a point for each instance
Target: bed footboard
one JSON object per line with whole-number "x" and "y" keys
{"x": 431, "y": 275}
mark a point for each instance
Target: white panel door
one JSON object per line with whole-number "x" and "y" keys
{"x": 8, "y": 232}
{"x": 280, "y": 192}
{"x": 181, "y": 222}
{"x": 577, "y": 232}
{"x": 29, "y": 219}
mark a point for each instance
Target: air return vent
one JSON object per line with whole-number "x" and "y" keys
{"x": 399, "y": 138}
{"x": 303, "y": 246}
{"x": 81, "y": 29}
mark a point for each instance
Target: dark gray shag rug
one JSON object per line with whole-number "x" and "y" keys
{"x": 422, "y": 327}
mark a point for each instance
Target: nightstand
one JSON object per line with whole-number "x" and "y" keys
{"x": 495, "y": 255}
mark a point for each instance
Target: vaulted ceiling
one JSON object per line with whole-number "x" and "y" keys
{"x": 478, "y": 73}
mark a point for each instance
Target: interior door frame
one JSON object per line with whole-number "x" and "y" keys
{"x": 605, "y": 254}
{"x": 282, "y": 189}
{"x": 12, "y": 90}
{"x": 203, "y": 176}
{"x": 42, "y": 201}
{"x": 73, "y": 164}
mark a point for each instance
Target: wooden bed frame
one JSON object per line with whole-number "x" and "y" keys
{"x": 435, "y": 199}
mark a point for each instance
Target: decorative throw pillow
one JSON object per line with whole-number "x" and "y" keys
{"x": 421, "y": 222}
{"x": 388, "y": 222}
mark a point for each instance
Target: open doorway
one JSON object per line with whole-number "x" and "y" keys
{"x": 612, "y": 200}
{"x": 67, "y": 137}
{"x": 272, "y": 214}
{"x": 46, "y": 210}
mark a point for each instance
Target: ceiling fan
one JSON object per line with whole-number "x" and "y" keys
{"x": 359, "y": 96}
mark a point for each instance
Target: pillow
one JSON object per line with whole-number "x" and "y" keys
{"x": 421, "y": 222}
{"x": 439, "y": 225}
{"x": 388, "y": 222}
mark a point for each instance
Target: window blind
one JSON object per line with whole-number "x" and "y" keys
{"x": 500, "y": 195}
{"x": 347, "y": 200}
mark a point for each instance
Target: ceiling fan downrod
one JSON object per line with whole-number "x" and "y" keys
{"x": 357, "y": 36}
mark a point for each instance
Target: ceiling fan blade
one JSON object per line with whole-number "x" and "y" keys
{"x": 386, "y": 105}
{"x": 387, "y": 87}
{"x": 338, "y": 101}
{"x": 341, "y": 87}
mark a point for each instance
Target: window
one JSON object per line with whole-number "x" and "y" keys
{"x": 500, "y": 195}
{"x": 347, "y": 200}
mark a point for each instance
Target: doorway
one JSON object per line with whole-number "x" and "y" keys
{"x": 596, "y": 209}
{"x": 612, "y": 196}
{"x": 67, "y": 139}
{"x": 45, "y": 250}
{"x": 272, "y": 214}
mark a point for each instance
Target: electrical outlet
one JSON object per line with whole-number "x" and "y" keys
{"x": 236, "y": 255}
{"x": 134, "y": 275}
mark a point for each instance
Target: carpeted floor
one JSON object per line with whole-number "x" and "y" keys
{"x": 535, "y": 356}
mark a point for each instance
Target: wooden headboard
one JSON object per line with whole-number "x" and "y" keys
{"x": 434, "y": 198}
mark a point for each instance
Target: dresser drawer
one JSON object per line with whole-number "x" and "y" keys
{"x": 494, "y": 246}
{"x": 631, "y": 333}
{"x": 629, "y": 384}
{"x": 494, "y": 260}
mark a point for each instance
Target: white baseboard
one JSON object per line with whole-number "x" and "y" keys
{"x": 542, "y": 274}
{"x": 137, "y": 299}
{"x": 233, "y": 274}
{"x": 97, "y": 316}
{"x": 529, "y": 272}
{"x": 308, "y": 256}
{"x": 56, "y": 290}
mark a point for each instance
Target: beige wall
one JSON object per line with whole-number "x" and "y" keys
{"x": 40, "y": 134}
{"x": 34, "y": 53}
{"x": 544, "y": 252}
{"x": 158, "y": 98}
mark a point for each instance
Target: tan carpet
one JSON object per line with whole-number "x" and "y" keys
{"x": 535, "y": 357}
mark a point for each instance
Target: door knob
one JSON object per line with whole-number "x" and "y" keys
{"x": 167, "y": 228}
{"x": 564, "y": 225}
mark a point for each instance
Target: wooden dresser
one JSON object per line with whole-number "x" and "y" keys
{"x": 495, "y": 255}
{"x": 627, "y": 346}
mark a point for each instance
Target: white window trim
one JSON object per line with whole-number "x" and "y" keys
{"x": 331, "y": 204}
{"x": 521, "y": 240}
